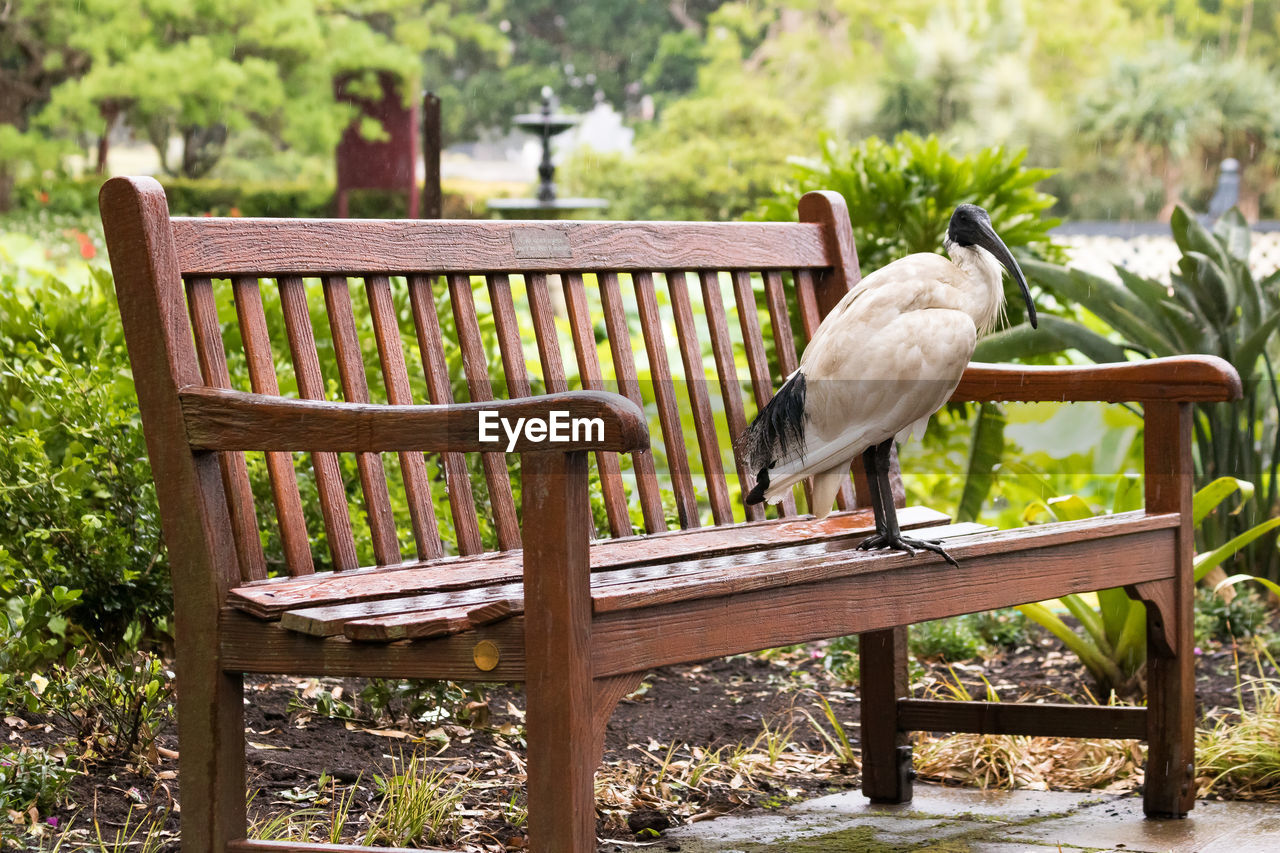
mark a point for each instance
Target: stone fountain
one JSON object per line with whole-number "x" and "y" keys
{"x": 544, "y": 124}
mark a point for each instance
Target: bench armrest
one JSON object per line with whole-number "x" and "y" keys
{"x": 1183, "y": 378}
{"x": 220, "y": 419}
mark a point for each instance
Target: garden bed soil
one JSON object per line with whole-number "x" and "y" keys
{"x": 718, "y": 705}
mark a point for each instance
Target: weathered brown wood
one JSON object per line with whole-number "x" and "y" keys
{"x": 1188, "y": 378}
{"x": 624, "y": 367}
{"x": 696, "y": 384}
{"x": 411, "y": 627}
{"x": 476, "y": 367}
{"x": 235, "y": 476}
{"x": 262, "y": 377}
{"x": 1020, "y": 718}
{"x": 306, "y": 368}
{"x": 318, "y": 247}
{"x": 544, "y": 332}
{"x": 355, "y": 389}
{"x": 757, "y": 360}
{"x": 584, "y": 346}
{"x": 783, "y": 339}
{"x": 508, "y": 327}
{"x": 673, "y": 443}
{"x": 807, "y": 298}
{"x": 874, "y": 600}
{"x": 217, "y": 419}
{"x": 274, "y": 597}
{"x": 413, "y": 468}
{"x": 468, "y": 587}
{"x": 726, "y": 371}
{"x": 193, "y": 509}
{"x": 1170, "y": 773}
{"x": 462, "y": 507}
{"x": 883, "y": 685}
{"x": 559, "y": 685}
{"x": 1161, "y": 601}
{"x": 829, "y": 212}
{"x": 251, "y": 645}
{"x": 608, "y": 693}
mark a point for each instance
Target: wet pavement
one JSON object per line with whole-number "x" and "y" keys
{"x": 962, "y": 820}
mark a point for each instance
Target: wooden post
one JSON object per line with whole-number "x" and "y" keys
{"x": 559, "y": 688}
{"x": 197, "y": 531}
{"x": 432, "y": 195}
{"x": 1171, "y": 698}
{"x": 882, "y": 681}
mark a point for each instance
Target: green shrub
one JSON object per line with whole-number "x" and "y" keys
{"x": 901, "y": 195}
{"x": 29, "y": 776}
{"x": 78, "y": 508}
{"x": 1222, "y": 620}
{"x": 945, "y": 640}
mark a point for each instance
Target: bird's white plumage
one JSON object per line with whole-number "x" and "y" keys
{"x": 885, "y": 359}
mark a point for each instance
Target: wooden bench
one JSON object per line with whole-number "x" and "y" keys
{"x": 576, "y": 607}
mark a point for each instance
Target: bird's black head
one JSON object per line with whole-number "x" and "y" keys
{"x": 971, "y": 226}
{"x": 968, "y": 224}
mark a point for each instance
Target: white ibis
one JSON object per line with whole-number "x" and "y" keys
{"x": 883, "y": 361}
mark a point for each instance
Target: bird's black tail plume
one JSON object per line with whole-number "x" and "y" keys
{"x": 776, "y": 433}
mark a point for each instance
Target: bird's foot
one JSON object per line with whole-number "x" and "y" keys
{"x": 905, "y": 543}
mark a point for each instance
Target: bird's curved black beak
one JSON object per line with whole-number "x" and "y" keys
{"x": 990, "y": 240}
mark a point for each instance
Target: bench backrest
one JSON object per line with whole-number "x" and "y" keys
{"x": 433, "y": 311}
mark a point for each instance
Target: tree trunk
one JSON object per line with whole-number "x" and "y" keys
{"x": 1171, "y": 174}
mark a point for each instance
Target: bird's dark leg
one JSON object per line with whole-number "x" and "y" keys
{"x": 888, "y": 534}
{"x": 873, "y": 486}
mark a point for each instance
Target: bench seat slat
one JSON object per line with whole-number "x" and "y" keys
{"x": 695, "y": 577}
{"x": 683, "y": 578}
{"x": 268, "y": 599}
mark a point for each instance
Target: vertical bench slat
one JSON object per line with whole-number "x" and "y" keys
{"x": 462, "y": 505}
{"x": 544, "y": 331}
{"x": 696, "y": 379}
{"x": 624, "y": 366}
{"x": 757, "y": 361}
{"x": 726, "y": 369}
{"x": 584, "y": 346}
{"x": 811, "y": 318}
{"x": 476, "y": 367}
{"x": 235, "y": 476}
{"x": 655, "y": 344}
{"x": 508, "y": 327}
{"x": 783, "y": 339}
{"x": 306, "y": 367}
{"x": 413, "y": 466}
{"x": 262, "y": 378}
{"x": 355, "y": 389}
{"x": 809, "y": 314}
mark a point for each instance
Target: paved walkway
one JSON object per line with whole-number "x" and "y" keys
{"x": 960, "y": 820}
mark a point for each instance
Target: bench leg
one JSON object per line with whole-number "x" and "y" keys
{"x": 1171, "y": 688}
{"x": 211, "y": 760}
{"x": 1171, "y": 707}
{"x": 886, "y": 753}
{"x": 559, "y": 687}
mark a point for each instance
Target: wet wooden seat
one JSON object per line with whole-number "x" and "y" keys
{"x": 281, "y": 364}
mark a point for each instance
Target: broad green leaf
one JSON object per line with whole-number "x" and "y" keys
{"x": 1205, "y": 563}
{"x": 1099, "y": 664}
{"x": 1235, "y": 579}
{"x": 1233, "y": 232}
{"x": 1208, "y": 498}
{"x": 985, "y": 451}
{"x": 1253, "y": 347}
{"x": 1114, "y": 606}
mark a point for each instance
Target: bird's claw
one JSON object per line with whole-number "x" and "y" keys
{"x": 907, "y": 544}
